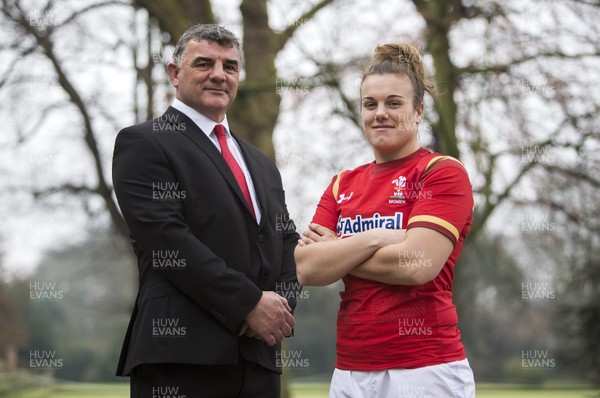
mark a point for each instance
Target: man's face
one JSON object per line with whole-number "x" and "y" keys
{"x": 207, "y": 79}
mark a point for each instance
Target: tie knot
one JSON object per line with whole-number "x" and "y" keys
{"x": 219, "y": 130}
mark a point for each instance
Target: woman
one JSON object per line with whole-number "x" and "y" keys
{"x": 399, "y": 224}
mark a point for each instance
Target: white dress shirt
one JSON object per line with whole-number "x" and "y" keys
{"x": 207, "y": 126}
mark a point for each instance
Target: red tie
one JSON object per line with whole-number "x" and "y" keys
{"x": 233, "y": 165}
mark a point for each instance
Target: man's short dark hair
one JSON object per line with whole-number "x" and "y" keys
{"x": 209, "y": 32}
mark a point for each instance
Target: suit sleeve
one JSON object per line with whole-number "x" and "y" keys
{"x": 156, "y": 225}
{"x": 289, "y": 287}
{"x": 445, "y": 201}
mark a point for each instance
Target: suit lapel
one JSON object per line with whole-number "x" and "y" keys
{"x": 191, "y": 130}
{"x": 259, "y": 187}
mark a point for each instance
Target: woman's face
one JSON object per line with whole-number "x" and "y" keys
{"x": 389, "y": 118}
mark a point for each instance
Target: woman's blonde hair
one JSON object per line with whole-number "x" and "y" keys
{"x": 402, "y": 59}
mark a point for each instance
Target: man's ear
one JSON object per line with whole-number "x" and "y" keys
{"x": 173, "y": 72}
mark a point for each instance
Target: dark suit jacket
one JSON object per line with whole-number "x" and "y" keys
{"x": 203, "y": 260}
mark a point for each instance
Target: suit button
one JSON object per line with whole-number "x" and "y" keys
{"x": 260, "y": 238}
{"x": 266, "y": 274}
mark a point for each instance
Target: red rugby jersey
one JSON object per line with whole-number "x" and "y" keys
{"x": 382, "y": 326}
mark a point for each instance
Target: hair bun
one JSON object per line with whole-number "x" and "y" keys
{"x": 405, "y": 59}
{"x": 398, "y": 52}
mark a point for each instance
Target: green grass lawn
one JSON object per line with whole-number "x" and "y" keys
{"x": 320, "y": 390}
{"x": 310, "y": 390}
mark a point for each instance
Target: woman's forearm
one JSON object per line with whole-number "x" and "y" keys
{"x": 415, "y": 261}
{"x": 323, "y": 263}
{"x": 322, "y": 258}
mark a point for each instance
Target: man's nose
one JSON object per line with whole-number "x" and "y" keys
{"x": 217, "y": 72}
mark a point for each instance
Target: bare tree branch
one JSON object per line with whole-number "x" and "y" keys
{"x": 44, "y": 41}
{"x": 36, "y": 127}
{"x": 68, "y": 187}
{"x": 175, "y": 16}
{"x": 12, "y": 66}
{"x": 503, "y": 68}
{"x": 283, "y": 38}
{"x": 92, "y": 7}
{"x": 576, "y": 174}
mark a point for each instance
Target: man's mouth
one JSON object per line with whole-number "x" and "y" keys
{"x": 216, "y": 89}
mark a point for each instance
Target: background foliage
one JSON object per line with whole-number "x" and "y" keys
{"x": 519, "y": 106}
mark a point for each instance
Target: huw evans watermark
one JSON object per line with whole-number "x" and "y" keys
{"x": 167, "y": 392}
{"x": 168, "y": 327}
{"x": 291, "y": 291}
{"x": 414, "y": 392}
{"x": 537, "y": 222}
{"x": 413, "y": 327}
{"x": 39, "y": 291}
{"x": 537, "y": 359}
{"x": 167, "y": 259}
{"x": 165, "y": 191}
{"x": 537, "y": 290}
{"x": 291, "y": 359}
{"x": 44, "y": 360}
{"x": 413, "y": 259}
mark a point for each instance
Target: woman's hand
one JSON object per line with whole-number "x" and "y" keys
{"x": 333, "y": 258}
{"x": 386, "y": 236}
{"x": 316, "y": 233}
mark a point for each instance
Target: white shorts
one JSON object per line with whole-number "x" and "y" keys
{"x": 447, "y": 380}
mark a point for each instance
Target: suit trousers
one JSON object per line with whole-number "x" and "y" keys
{"x": 166, "y": 380}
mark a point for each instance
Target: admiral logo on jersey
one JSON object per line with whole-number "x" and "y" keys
{"x": 348, "y": 226}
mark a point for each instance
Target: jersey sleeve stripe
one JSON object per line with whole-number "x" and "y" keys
{"x": 435, "y": 163}
{"x": 336, "y": 185}
{"x": 438, "y": 221}
{"x": 439, "y": 158}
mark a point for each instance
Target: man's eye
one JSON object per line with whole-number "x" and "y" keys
{"x": 203, "y": 65}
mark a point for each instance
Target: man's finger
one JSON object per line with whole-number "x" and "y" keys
{"x": 270, "y": 340}
{"x": 285, "y": 303}
{"x": 289, "y": 319}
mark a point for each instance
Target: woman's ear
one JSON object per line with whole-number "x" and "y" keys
{"x": 420, "y": 109}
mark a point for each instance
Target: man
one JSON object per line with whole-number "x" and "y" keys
{"x": 204, "y": 210}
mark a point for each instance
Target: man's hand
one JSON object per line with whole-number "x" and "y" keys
{"x": 249, "y": 332}
{"x": 271, "y": 319}
{"x": 316, "y": 233}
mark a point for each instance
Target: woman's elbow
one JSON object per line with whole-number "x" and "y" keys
{"x": 301, "y": 275}
{"x": 423, "y": 275}
{"x": 309, "y": 271}
{"x": 302, "y": 272}
{"x": 305, "y": 276}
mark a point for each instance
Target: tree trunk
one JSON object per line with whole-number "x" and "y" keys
{"x": 11, "y": 357}
{"x": 438, "y": 21}
{"x": 176, "y": 16}
{"x": 255, "y": 111}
